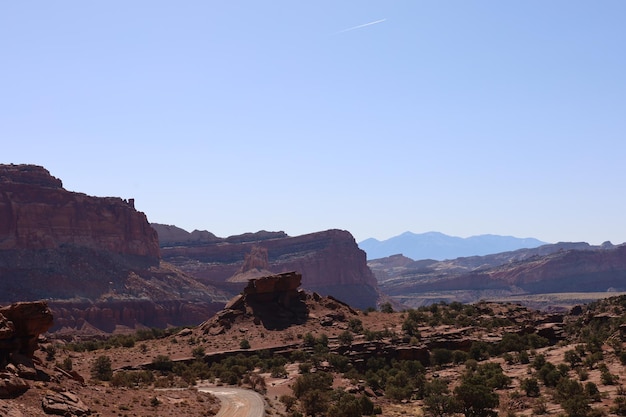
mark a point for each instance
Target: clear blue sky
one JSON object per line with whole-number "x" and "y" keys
{"x": 464, "y": 117}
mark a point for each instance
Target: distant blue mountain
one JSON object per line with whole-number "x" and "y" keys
{"x": 438, "y": 246}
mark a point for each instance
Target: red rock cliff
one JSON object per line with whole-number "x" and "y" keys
{"x": 97, "y": 260}
{"x": 331, "y": 262}
{"x": 36, "y": 212}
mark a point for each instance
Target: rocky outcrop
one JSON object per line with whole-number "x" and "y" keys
{"x": 20, "y": 326}
{"x": 37, "y": 213}
{"x": 274, "y": 301}
{"x": 64, "y": 403}
{"x": 330, "y": 262}
{"x": 96, "y": 260}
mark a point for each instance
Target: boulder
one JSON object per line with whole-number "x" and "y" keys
{"x": 29, "y": 320}
{"x": 64, "y": 404}
{"x": 12, "y": 385}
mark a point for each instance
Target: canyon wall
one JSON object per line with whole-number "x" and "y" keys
{"x": 95, "y": 260}
{"x": 36, "y": 212}
{"x": 330, "y": 262}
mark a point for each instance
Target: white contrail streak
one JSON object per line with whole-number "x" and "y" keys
{"x": 361, "y": 26}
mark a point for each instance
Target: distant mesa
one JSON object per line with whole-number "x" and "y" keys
{"x": 438, "y": 246}
{"x": 568, "y": 267}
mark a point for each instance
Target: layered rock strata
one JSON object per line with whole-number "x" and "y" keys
{"x": 96, "y": 260}
{"x": 36, "y": 212}
{"x": 330, "y": 262}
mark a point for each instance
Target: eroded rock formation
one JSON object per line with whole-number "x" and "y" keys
{"x": 36, "y": 212}
{"x": 330, "y": 262}
{"x": 274, "y": 301}
{"x": 97, "y": 260}
{"x": 20, "y": 327}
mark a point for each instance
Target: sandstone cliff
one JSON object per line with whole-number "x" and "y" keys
{"x": 331, "y": 263}
{"x": 37, "y": 213}
{"x": 97, "y": 260}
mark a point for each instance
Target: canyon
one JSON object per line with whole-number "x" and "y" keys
{"x": 102, "y": 267}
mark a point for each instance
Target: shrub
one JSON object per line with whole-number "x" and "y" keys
{"x": 572, "y": 397}
{"x": 531, "y": 387}
{"x": 549, "y": 374}
{"x": 620, "y": 406}
{"x": 474, "y": 396}
{"x": 355, "y": 325}
{"x": 437, "y": 400}
{"x": 458, "y": 356}
{"x": 522, "y": 357}
{"x": 101, "y": 369}
{"x": 132, "y": 379}
{"x": 198, "y": 352}
{"x": 592, "y": 391}
{"x": 440, "y": 356}
{"x": 162, "y": 363}
{"x": 244, "y": 344}
{"x": 278, "y": 371}
{"x": 538, "y": 362}
{"x": 573, "y": 358}
{"x": 309, "y": 382}
{"x": 386, "y": 308}
{"x": 288, "y": 401}
{"x": 66, "y": 364}
{"x": 345, "y": 338}
{"x": 494, "y": 375}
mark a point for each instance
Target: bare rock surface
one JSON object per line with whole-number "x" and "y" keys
{"x": 64, "y": 403}
{"x": 330, "y": 262}
{"x": 36, "y": 212}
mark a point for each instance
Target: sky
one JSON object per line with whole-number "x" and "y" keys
{"x": 376, "y": 117}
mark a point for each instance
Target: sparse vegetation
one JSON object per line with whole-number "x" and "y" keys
{"x": 494, "y": 369}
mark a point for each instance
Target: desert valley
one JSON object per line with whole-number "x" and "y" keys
{"x": 103, "y": 313}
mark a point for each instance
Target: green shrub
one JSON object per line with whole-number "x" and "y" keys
{"x": 530, "y": 386}
{"x": 162, "y": 363}
{"x": 101, "y": 369}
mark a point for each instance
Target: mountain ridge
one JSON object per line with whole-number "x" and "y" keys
{"x": 439, "y": 246}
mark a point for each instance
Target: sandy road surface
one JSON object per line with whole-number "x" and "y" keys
{"x": 237, "y": 402}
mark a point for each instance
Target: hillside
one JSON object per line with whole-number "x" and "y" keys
{"x": 327, "y": 359}
{"x": 438, "y": 246}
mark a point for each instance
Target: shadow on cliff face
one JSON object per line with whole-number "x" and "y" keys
{"x": 275, "y": 301}
{"x": 272, "y": 301}
{"x": 279, "y": 312}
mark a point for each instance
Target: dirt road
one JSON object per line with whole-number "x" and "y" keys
{"x": 237, "y": 402}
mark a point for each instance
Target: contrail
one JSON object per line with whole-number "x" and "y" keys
{"x": 361, "y": 26}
